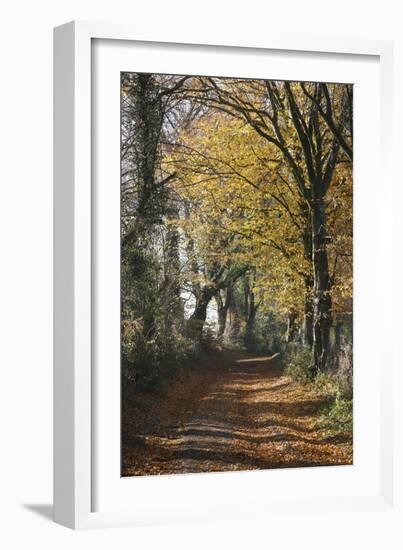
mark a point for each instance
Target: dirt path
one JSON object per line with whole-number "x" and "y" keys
{"x": 235, "y": 412}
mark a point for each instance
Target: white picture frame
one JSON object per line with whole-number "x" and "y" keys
{"x": 76, "y": 392}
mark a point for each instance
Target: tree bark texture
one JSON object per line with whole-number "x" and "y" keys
{"x": 322, "y": 303}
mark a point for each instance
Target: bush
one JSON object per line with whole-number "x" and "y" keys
{"x": 297, "y": 363}
{"x": 338, "y": 415}
{"x": 148, "y": 362}
{"x": 336, "y": 386}
{"x": 269, "y": 334}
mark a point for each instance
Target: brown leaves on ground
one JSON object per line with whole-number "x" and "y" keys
{"x": 235, "y": 411}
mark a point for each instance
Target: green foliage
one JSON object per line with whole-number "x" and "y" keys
{"x": 152, "y": 346}
{"x": 250, "y": 340}
{"x": 138, "y": 281}
{"x": 147, "y": 363}
{"x": 336, "y": 387}
{"x": 269, "y": 332}
{"x": 337, "y": 417}
{"x": 297, "y": 361}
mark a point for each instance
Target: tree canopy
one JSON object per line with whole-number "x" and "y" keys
{"x": 237, "y": 200}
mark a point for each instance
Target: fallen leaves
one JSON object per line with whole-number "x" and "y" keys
{"x": 235, "y": 411}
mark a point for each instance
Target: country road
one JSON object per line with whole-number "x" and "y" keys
{"x": 236, "y": 412}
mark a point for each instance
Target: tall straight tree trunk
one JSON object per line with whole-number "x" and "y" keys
{"x": 322, "y": 303}
{"x": 222, "y": 310}
{"x": 146, "y": 114}
{"x": 307, "y": 333}
{"x": 337, "y": 343}
{"x": 250, "y": 338}
{"x": 337, "y": 335}
{"x": 250, "y": 312}
{"x": 149, "y": 127}
{"x": 170, "y": 289}
{"x": 234, "y": 329}
{"x": 291, "y": 326}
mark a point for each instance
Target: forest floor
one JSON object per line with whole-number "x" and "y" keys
{"x": 235, "y": 411}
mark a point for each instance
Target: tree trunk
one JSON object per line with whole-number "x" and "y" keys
{"x": 149, "y": 126}
{"x": 222, "y": 310}
{"x": 198, "y": 317}
{"x": 337, "y": 344}
{"x": 321, "y": 286}
{"x": 146, "y": 115}
{"x": 249, "y": 311}
{"x": 222, "y": 321}
{"x": 291, "y": 326}
{"x": 307, "y": 332}
{"x": 170, "y": 289}
{"x": 250, "y": 338}
{"x": 337, "y": 336}
{"x": 234, "y": 329}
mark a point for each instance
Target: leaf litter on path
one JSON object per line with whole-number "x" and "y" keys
{"x": 234, "y": 411}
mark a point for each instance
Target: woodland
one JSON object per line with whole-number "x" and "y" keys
{"x": 236, "y": 273}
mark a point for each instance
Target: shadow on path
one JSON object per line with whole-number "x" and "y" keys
{"x": 241, "y": 413}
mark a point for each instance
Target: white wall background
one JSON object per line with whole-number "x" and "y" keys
{"x": 26, "y": 262}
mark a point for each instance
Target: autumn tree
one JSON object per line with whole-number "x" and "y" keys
{"x": 241, "y": 191}
{"x": 236, "y": 200}
{"x": 296, "y": 119}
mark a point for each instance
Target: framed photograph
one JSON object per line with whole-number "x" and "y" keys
{"x": 221, "y": 221}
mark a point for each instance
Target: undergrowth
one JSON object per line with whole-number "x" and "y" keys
{"x": 336, "y": 415}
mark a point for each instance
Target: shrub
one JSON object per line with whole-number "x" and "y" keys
{"x": 147, "y": 362}
{"x": 338, "y": 415}
{"x": 336, "y": 386}
{"x": 297, "y": 363}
